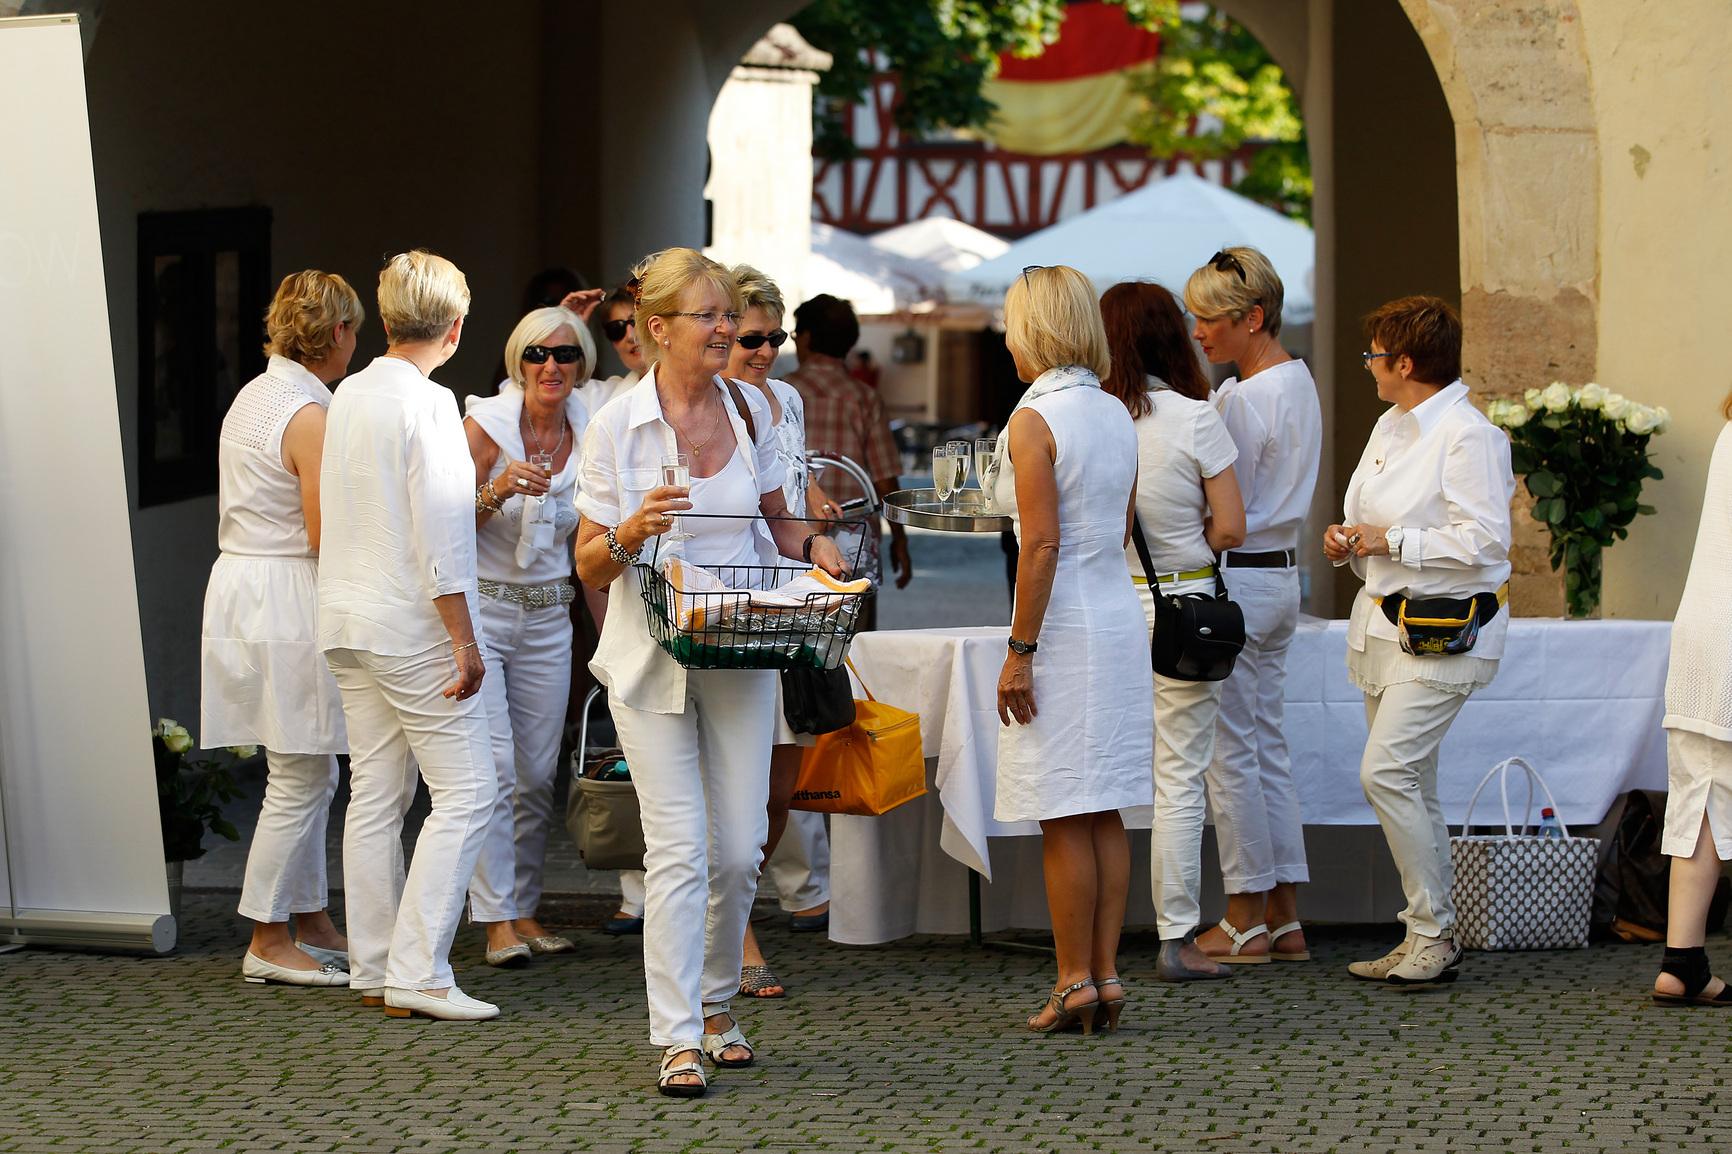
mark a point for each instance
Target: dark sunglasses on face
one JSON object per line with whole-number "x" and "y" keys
{"x": 615, "y": 330}
{"x": 775, "y": 337}
{"x": 561, "y": 354}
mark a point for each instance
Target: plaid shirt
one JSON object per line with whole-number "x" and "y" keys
{"x": 845, "y": 418}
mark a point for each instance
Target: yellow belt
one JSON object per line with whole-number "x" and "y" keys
{"x": 1171, "y": 578}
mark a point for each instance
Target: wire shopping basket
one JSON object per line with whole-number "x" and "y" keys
{"x": 722, "y": 626}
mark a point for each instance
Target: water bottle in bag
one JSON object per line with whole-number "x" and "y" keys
{"x": 1549, "y": 826}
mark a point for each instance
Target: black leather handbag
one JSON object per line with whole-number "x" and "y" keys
{"x": 817, "y": 700}
{"x": 1197, "y": 636}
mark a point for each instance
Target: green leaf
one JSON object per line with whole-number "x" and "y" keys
{"x": 1542, "y": 483}
{"x": 1591, "y": 518}
{"x": 1555, "y": 512}
{"x": 1645, "y": 509}
{"x": 1542, "y": 509}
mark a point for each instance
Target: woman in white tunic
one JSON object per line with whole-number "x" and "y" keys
{"x": 1698, "y": 723}
{"x": 1426, "y": 516}
{"x": 800, "y": 863}
{"x": 263, "y": 681}
{"x": 698, "y": 741}
{"x": 1189, "y": 510}
{"x": 1076, "y": 681}
{"x": 525, "y": 444}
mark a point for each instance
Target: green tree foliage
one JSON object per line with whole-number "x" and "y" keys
{"x": 1214, "y": 89}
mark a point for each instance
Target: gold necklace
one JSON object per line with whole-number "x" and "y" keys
{"x": 698, "y": 446}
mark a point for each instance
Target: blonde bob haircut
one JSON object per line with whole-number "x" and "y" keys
{"x": 663, "y": 279}
{"x": 1052, "y": 317}
{"x": 301, "y": 323}
{"x": 535, "y": 327}
{"x": 1217, "y": 289}
{"x": 420, "y": 295}
{"x": 758, "y": 291}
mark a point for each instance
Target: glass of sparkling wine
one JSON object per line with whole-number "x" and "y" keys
{"x": 941, "y": 473}
{"x": 985, "y": 449}
{"x": 960, "y": 461}
{"x": 677, "y": 471}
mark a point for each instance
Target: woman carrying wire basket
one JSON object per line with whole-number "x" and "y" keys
{"x": 697, "y": 738}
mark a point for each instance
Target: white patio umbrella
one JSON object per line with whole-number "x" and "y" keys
{"x": 874, "y": 280}
{"x": 942, "y": 241}
{"x": 1161, "y": 232}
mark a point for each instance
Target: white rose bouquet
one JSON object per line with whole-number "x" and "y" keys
{"x": 190, "y": 794}
{"x": 1583, "y": 454}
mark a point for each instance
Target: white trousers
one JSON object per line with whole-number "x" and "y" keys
{"x": 400, "y": 933}
{"x": 1407, "y": 723}
{"x": 703, "y": 786}
{"x": 1185, "y": 713}
{"x": 1258, "y": 829}
{"x": 799, "y": 868}
{"x": 286, "y": 863}
{"x": 528, "y": 684}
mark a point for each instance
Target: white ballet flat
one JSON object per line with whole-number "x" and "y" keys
{"x": 258, "y": 971}
{"x": 455, "y": 1006}
{"x": 338, "y": 958}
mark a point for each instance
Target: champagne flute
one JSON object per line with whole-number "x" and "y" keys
{"x": 677, "y": 471}
{"x": 960, "y": 460}
{"x": 941, "y": 474}
{"x": 985, "y": 469}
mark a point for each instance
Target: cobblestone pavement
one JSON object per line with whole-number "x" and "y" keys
{"x": 909, "y": 1047}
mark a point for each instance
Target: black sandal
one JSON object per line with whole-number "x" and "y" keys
{"x": 1690, "y": 966}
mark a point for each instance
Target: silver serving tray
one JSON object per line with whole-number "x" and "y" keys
{"x": 965, "y": 514}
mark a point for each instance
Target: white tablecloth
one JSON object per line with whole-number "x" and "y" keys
{"x": 1581, "y": 700}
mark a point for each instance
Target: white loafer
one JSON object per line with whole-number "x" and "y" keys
{"x": 258, "y": 971}
{"x": 338, "y": 958}
{"x": 455, "y": 1006}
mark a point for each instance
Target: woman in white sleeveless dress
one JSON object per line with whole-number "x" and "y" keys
{"x": 525, "y": 444}
{"x": 1077, "y": 681}
{"x": 263, "y": 680}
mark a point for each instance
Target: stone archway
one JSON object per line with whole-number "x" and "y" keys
{"x": 1515, "y": 74}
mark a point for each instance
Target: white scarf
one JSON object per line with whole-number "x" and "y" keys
{"x": 1054, "y": 380}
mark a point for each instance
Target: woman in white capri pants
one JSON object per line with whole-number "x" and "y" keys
{"x": 1271, "y": 410}
{"x": 697, "y": 741}
{"x": 396, "y": 621}
{"x": 1698, "y": 721}
{"x": 1427, "y": 522}
{"x": 1189, "y": 511}
{"x": 525, "y": 442}
{"x": 262, "y": 678}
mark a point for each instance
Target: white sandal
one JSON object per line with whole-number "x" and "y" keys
{"x": 671, "y": 1070}
{"x": 715, "y": 1045}
{"x": 1281, "y": 932}
{"x": 1233, "y": 957}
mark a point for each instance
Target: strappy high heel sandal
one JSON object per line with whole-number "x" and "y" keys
{"x": 1063, "y": 1016}
{"x": 715, "y": 1045}
{"x": 1107, "y": 1010}
{"x": 671, "y": 1069}
{"x": 1690, "y": 966}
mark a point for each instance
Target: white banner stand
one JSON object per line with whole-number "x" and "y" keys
{"x": 83, "y": 846}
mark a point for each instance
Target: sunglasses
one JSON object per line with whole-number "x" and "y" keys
{"x": 561, "y": 354}
{"x": 776, "y": 339}
{"x": 1226, "y": 262}
{"x": 1026, "y": 269}
{"x": 615, "y": 330}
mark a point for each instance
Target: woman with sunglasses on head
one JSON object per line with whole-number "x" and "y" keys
{"x": 1271, "y": 410}
{"x": 697, "y": 740}
{"x": 525, "y": 444}
{"x": 799, "y": 865}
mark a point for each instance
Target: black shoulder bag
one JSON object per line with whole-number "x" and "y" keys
{"x": 1197, "y": 636}
{"x": 814, "y": 701}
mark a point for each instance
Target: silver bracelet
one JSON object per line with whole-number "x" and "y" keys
{"x": 617, "y": 551}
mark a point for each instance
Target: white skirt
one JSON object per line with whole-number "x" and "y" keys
{"x": 1699, "y": 781}
{"x": 263, "y": 680}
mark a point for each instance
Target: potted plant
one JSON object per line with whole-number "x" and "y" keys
{"x": 190, "y": 793}
{"x": 1583, "y": 454}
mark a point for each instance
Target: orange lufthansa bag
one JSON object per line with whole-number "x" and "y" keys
{"x": 867, "y": 768}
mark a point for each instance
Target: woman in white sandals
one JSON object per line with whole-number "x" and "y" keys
{"x": 1271, "y": 410}
{"x": 698, "y": 741}
{"x": 262, "y": 678}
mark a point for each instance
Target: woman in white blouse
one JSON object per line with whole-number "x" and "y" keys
{"x": 263, "y": 680}
{"x": 1271, "y": 411}
{"x": 525, "y": 444}
{"x": 1427, "y": 517}
{"x": 698, "y": 741}
{"x": 1189, "y": 511}
{"x": 1698, "y": 722}
{"x": 397, "y": 623}
{"x": 799, "y": 865}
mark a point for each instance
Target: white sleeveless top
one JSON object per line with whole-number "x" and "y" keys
{"x": 259, "y": 502}
{"x": 501, "y": 418}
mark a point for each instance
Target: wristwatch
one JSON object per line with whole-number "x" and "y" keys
{"x": 1023, "y": 647}
{"x": 617, "y": 551}
{"x": 1394, "y": 537}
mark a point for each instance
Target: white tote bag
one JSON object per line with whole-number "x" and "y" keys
{"x": 1517, "y": 891}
